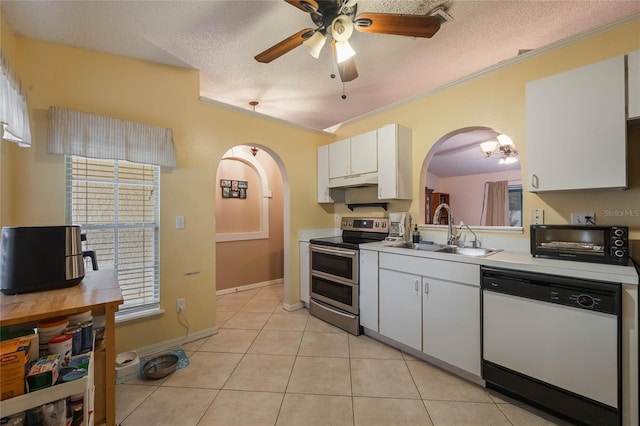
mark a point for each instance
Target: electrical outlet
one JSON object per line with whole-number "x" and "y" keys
{"x": 180, "y": 305}
{"x": 588, "y": 218}
{"x": 537, "y": 217}
{"x": 179, "y": 222}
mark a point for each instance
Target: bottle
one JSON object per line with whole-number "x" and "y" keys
{"x": 416, "y": 235}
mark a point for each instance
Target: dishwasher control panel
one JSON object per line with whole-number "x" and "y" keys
{"x": 583, "y": 294}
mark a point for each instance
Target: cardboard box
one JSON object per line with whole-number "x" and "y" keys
{"x": 43, "y": 373}
{"x": 14, "y": 356}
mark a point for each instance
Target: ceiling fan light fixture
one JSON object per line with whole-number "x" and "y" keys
{"x": 315, "y": 43}
{"x": 344, "y": 51}
{"x": 341, "y": 28}
{"x": 504, "y": 140}
{"x": 488, "y": 147}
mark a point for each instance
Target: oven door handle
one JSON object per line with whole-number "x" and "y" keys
{"x": 337, "y": 252}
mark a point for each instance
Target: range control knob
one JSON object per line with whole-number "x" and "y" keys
{"x": 619, "y": 253}
{"x": 585, "y": 301}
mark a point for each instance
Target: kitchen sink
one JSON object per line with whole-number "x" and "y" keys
{"x": 467, "y": 251}
{"x": 438, "y": 248}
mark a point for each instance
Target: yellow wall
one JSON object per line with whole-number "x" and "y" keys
{"x": 497, "y": 100}
{"x": 164, "y": 96}
{"x": 7, "y": 42}
{"x": 167, "y": 96}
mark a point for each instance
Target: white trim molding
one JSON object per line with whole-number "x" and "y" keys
{"x": 248, "y": 287}
{"x": 239, "y": 153}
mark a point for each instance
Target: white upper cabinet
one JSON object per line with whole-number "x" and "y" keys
{"x": 324, "y": 193}
{"x": 380, "y": 157}
{"x": 633, "y": 88}
{"x": 340, "y": 159}
{"x": 394, "y": 162}
{"x": 576, "y": 129}
{"x": 364, "y": 155}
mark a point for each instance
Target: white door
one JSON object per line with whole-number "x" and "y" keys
{"x": 324, "y": 195}
{"x": 451, "y": 323}
{"x": 401, "y": 307}
{"x": 364, "y": 153}
{"x": 576, "y": 128}
{"x": 571, "y": 348}
{"x": 340, "y": 159}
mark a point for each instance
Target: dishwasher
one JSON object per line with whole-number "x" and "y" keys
{"x": 554, "y": 342}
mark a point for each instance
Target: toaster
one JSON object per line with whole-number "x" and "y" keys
{"x": 37, "y": 258}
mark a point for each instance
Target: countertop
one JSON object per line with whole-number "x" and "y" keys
{"x": 524, "y": 262}
{"x": 97, "y": 289}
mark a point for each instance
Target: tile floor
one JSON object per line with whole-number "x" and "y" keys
{"x": 267, "y": 366}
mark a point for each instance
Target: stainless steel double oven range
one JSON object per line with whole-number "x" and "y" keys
{"x": 334, "y": 281}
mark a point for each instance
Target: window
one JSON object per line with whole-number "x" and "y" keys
{"x": 116, "y": 203}
{"x": 515, "y": 205}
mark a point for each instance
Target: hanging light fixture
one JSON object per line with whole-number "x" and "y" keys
{"x": 502, "y": 145}
{"x": 254, "y": 149}
{"x": 488, "y": 147}
{"x": 315, "y": 43}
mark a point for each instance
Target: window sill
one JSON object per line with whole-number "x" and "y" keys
{"x": 132, "y": 316}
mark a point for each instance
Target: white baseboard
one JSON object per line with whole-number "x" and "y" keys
{"x": 294, "y": 307}
{"x": 168, "y": 345}
{"x": 249, "y": 286}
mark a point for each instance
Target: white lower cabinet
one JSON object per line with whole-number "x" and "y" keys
{"x": 432, "y": 306}
{"x": 369, "y": 289}
{"x": 304, "y": 271}
{"x": 451, "y": 323}
{"x": 401, "y": 307}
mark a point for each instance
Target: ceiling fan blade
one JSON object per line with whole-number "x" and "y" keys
{"x": 284, "y": 46}
{"x": 304, "y": 5}
{"x": 404, "y": 25}
{"x": 347, "y": 69}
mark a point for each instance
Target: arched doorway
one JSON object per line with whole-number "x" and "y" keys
{"x": 252, "y": 220}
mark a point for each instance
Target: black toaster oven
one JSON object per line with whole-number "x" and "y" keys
{"x": 582, "y": 243}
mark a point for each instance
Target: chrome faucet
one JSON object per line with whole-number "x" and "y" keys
{"x": 475, "y": 243}
{"x": 452, "y": 237}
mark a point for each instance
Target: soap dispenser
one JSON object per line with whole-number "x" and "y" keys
{"x": 416, "y": 235}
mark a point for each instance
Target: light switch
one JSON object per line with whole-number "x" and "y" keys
{"x": 179, "y": 222}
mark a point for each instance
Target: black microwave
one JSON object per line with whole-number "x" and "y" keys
{"x": 582, "y": 243}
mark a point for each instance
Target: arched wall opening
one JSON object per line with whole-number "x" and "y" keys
{"x": 251, "y": 223}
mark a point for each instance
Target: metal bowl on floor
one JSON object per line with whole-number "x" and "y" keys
{"x": 160, "y": 366}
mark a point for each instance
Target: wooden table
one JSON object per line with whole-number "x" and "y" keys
{"x": 99, "y": 292}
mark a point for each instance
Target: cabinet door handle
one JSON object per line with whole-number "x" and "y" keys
{"x": 379, "y": 192}
{"x": 534, "y": 181}
{"x": 426, "y": 288}
{"x": 416, "y": 285}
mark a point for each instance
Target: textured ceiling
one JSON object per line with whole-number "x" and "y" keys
{"x": 220, "y": 38}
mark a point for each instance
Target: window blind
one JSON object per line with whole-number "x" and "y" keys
{"x": 96, "y": 136}
{"x": 116, "y": 203}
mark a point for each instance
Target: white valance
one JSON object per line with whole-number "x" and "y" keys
{"x": 96, "y": 136}
{"x": 14, "y": 114}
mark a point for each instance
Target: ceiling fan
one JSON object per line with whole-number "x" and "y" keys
{"x": 337, "y": 18}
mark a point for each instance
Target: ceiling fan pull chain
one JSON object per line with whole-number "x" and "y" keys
{"x": 344, "y": 96}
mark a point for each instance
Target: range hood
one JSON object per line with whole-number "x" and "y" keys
{"x": 368, "y": 179}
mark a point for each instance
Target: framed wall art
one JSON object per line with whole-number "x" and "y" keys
{"x": 234, "y": 188}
